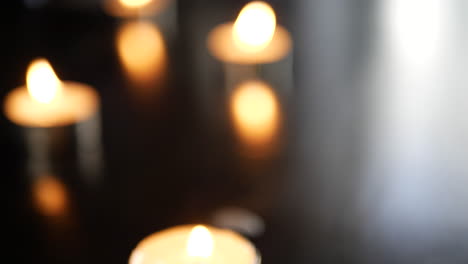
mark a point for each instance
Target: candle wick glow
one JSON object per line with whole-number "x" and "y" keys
{"x": 200, "y": 243}
{"x": 42, "y": 83}
{"x": 254, "y": 27}
{"x": 135, "y": 3}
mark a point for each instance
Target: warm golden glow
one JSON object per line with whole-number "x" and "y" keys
{"x": 200, "y": 242}
{"x": 50, "y": 196}
{"x": 134, "y": 8}
{"x": 254, "y": 27}
{"x": 42, "y": 82}
{"x": 194, "y": 245}
{"x": 255, "y": 112}
{"x": 134, "y": 3}
{"x": 142, "y": 51}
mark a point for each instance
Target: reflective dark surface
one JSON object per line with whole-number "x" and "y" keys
{"x": 348, "y": 181}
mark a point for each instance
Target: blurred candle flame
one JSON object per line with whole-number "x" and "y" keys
{"x": 50, "y": 196}
{"x": 200, "y": 242}
{"x": 255, "y": 111}
{"x": 141, "y": 49}
{"x": 134, "y": 3}
{"x": 42, "y": 82}
{"x": 255, "y": 26}
{"x": 134, "y": 8}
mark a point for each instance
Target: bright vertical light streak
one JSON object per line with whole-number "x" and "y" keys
{"x": 405, "y": 107}
{"x": 415, "y": 28}
{"x": 412, "y": 50}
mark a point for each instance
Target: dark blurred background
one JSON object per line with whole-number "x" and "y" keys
{"x": 370, "y": 164}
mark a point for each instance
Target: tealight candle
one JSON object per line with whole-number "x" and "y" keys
{"x": 50, "y": 196}
{"x": 46, "y": 101}
{"x": 254, "y": 46}
{"x": 45, "y": 106}
{"x": 195, "y": 245}
{"x": 254, "y": 38}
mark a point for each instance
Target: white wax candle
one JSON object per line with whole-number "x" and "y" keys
{"x": 46, "y": 105}
{"x": 194, "y": 245}
{"x": 48, "y": 102}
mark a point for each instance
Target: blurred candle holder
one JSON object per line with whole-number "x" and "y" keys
{"x": 198, "y": 244}
{"x": 57, "y": 118}
{"x": 254, "y": 46}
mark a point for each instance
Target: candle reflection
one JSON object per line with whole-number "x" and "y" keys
{"x": 59, "y": 227}
{"x": 255, "y": 113}
{"x": 50, "y": 196}
{"x": 142, "y": 52}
